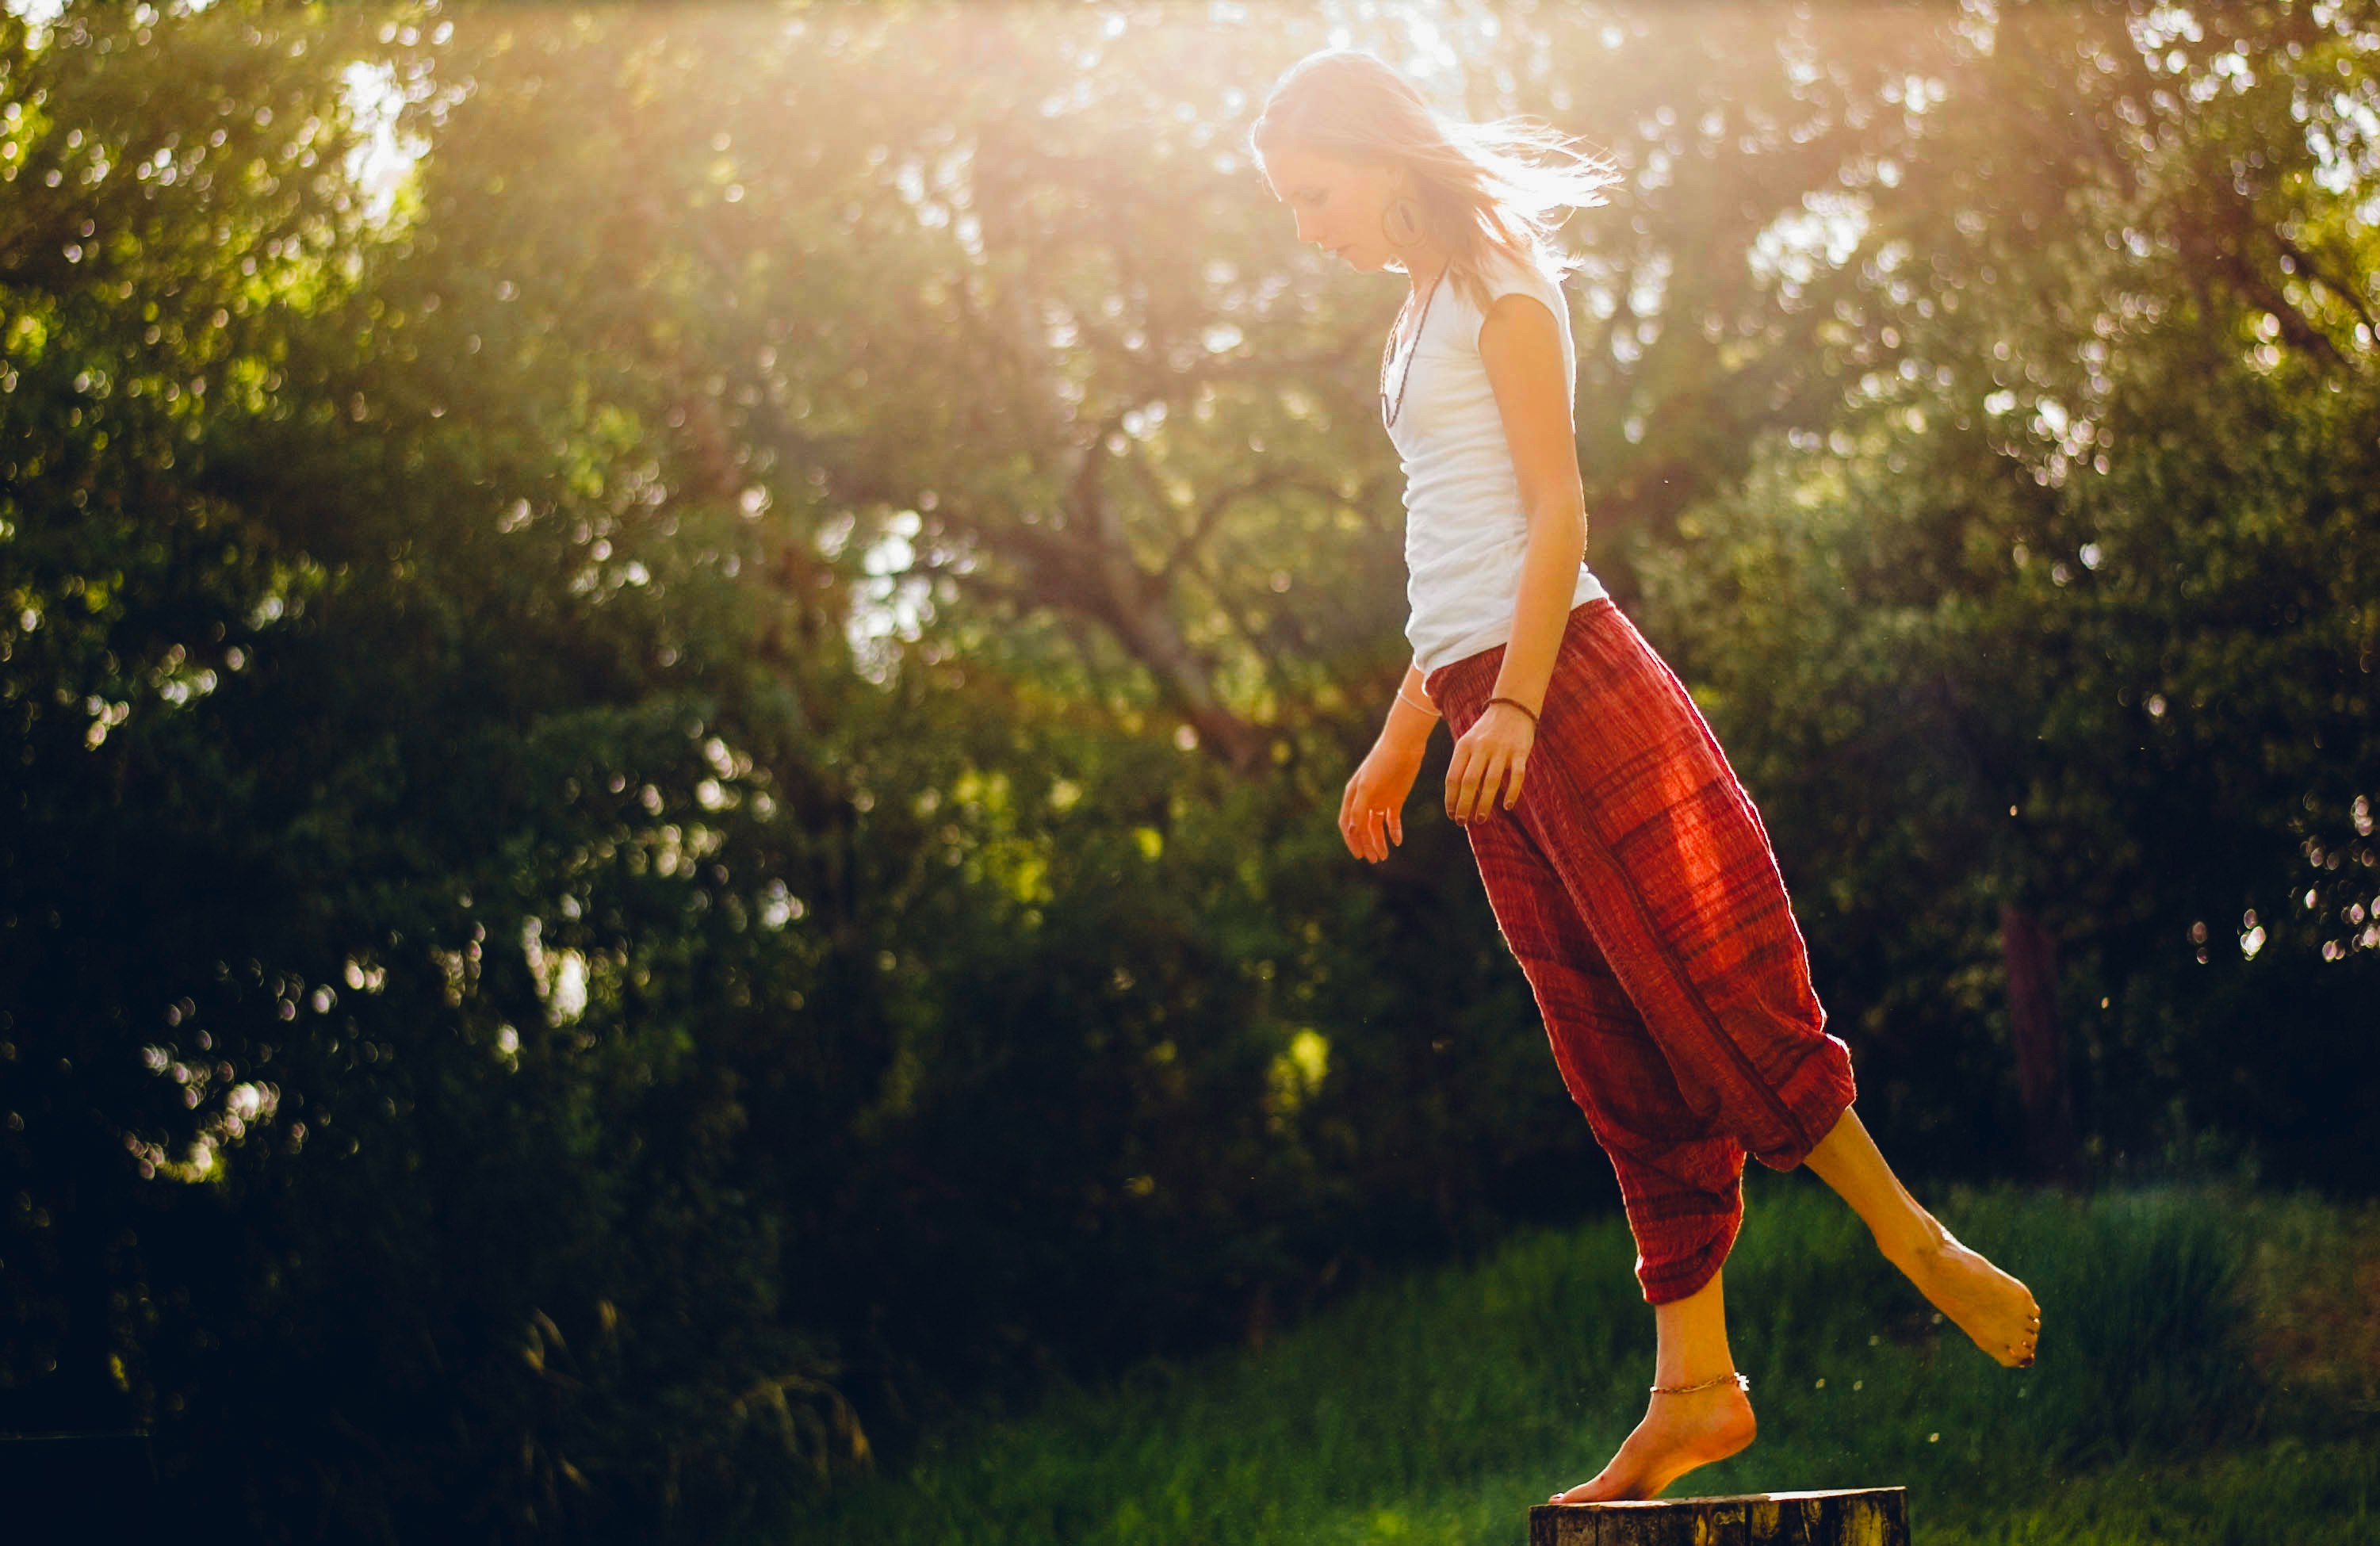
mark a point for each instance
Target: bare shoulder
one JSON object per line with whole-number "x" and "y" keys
{"x": 1521, "y": 299}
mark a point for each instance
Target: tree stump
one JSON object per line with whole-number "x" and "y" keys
{"x": 1868, "y": 1516}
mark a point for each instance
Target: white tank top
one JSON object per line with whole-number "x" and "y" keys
{"x": 1465, "y": 531}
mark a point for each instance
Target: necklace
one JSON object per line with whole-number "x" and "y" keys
{"x": 1388, "y": 352}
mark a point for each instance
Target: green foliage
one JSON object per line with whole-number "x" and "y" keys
{"x": 2131, "y": 692}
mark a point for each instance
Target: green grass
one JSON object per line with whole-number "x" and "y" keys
{"x": 2205, "y": 1374}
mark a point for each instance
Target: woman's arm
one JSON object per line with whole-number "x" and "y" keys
{"x": 1408, "y": 724}
{"x": 1520, "y": 343}
{"x": 1549, "y": 578}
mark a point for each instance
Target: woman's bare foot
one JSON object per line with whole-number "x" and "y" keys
{"x": 1985, "y": 1303}
{"x": 1680, "y": 1432}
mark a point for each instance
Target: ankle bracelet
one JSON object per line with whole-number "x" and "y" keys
{"x": 1681, "y": 1390}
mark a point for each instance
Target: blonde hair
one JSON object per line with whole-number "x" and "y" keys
{"x": 1482, "y": 188}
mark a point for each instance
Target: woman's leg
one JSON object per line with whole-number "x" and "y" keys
{"x": 1682, "y": 1429}
{"x": 1662, "y": 854}
{"x": 1680, "y": 1181}
{"x": 1994, "y": 1309}
{"x": 1680, "y": 1173}
{"x": 1635, "y": 868}
{"x": 1681, "y": 1184}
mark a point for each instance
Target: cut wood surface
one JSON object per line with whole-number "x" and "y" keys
{"x": 1864, "y": 1517}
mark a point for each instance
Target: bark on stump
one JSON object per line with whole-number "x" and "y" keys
{"x": 1868, "y": 1516}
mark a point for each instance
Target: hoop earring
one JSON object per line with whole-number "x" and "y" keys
{"x": 1404, "y": 209}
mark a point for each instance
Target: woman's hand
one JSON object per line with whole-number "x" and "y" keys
{"x": 1376, "y": 798}
{"x": 1492, "y": 753}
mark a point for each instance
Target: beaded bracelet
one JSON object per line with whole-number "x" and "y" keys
{"x": 1517, "y": 704}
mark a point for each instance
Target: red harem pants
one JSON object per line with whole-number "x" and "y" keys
{"x": 1634, "y": 884}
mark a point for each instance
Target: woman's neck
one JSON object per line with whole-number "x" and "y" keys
{"x": 1423, "y": 268}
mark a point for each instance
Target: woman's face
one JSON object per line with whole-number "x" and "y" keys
{"x": 1338, "y": 204}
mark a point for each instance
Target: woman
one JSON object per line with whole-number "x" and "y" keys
{"x": 1627, "y": 869}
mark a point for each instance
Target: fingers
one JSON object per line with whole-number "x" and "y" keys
{"x": 1362, "y": 830}
{"x": 1499, "y": 771}
{"x": 1481, "y": 768}
{"x": 1397, "y": 826}
{"x": 1461, "y": 775}
{"x": 1481, "y": 795}
{"x": 1474, "y": 793}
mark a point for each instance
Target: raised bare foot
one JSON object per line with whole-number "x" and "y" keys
{"x": 1680, "y": 1432}
{"x": 1994, "y": 1309}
